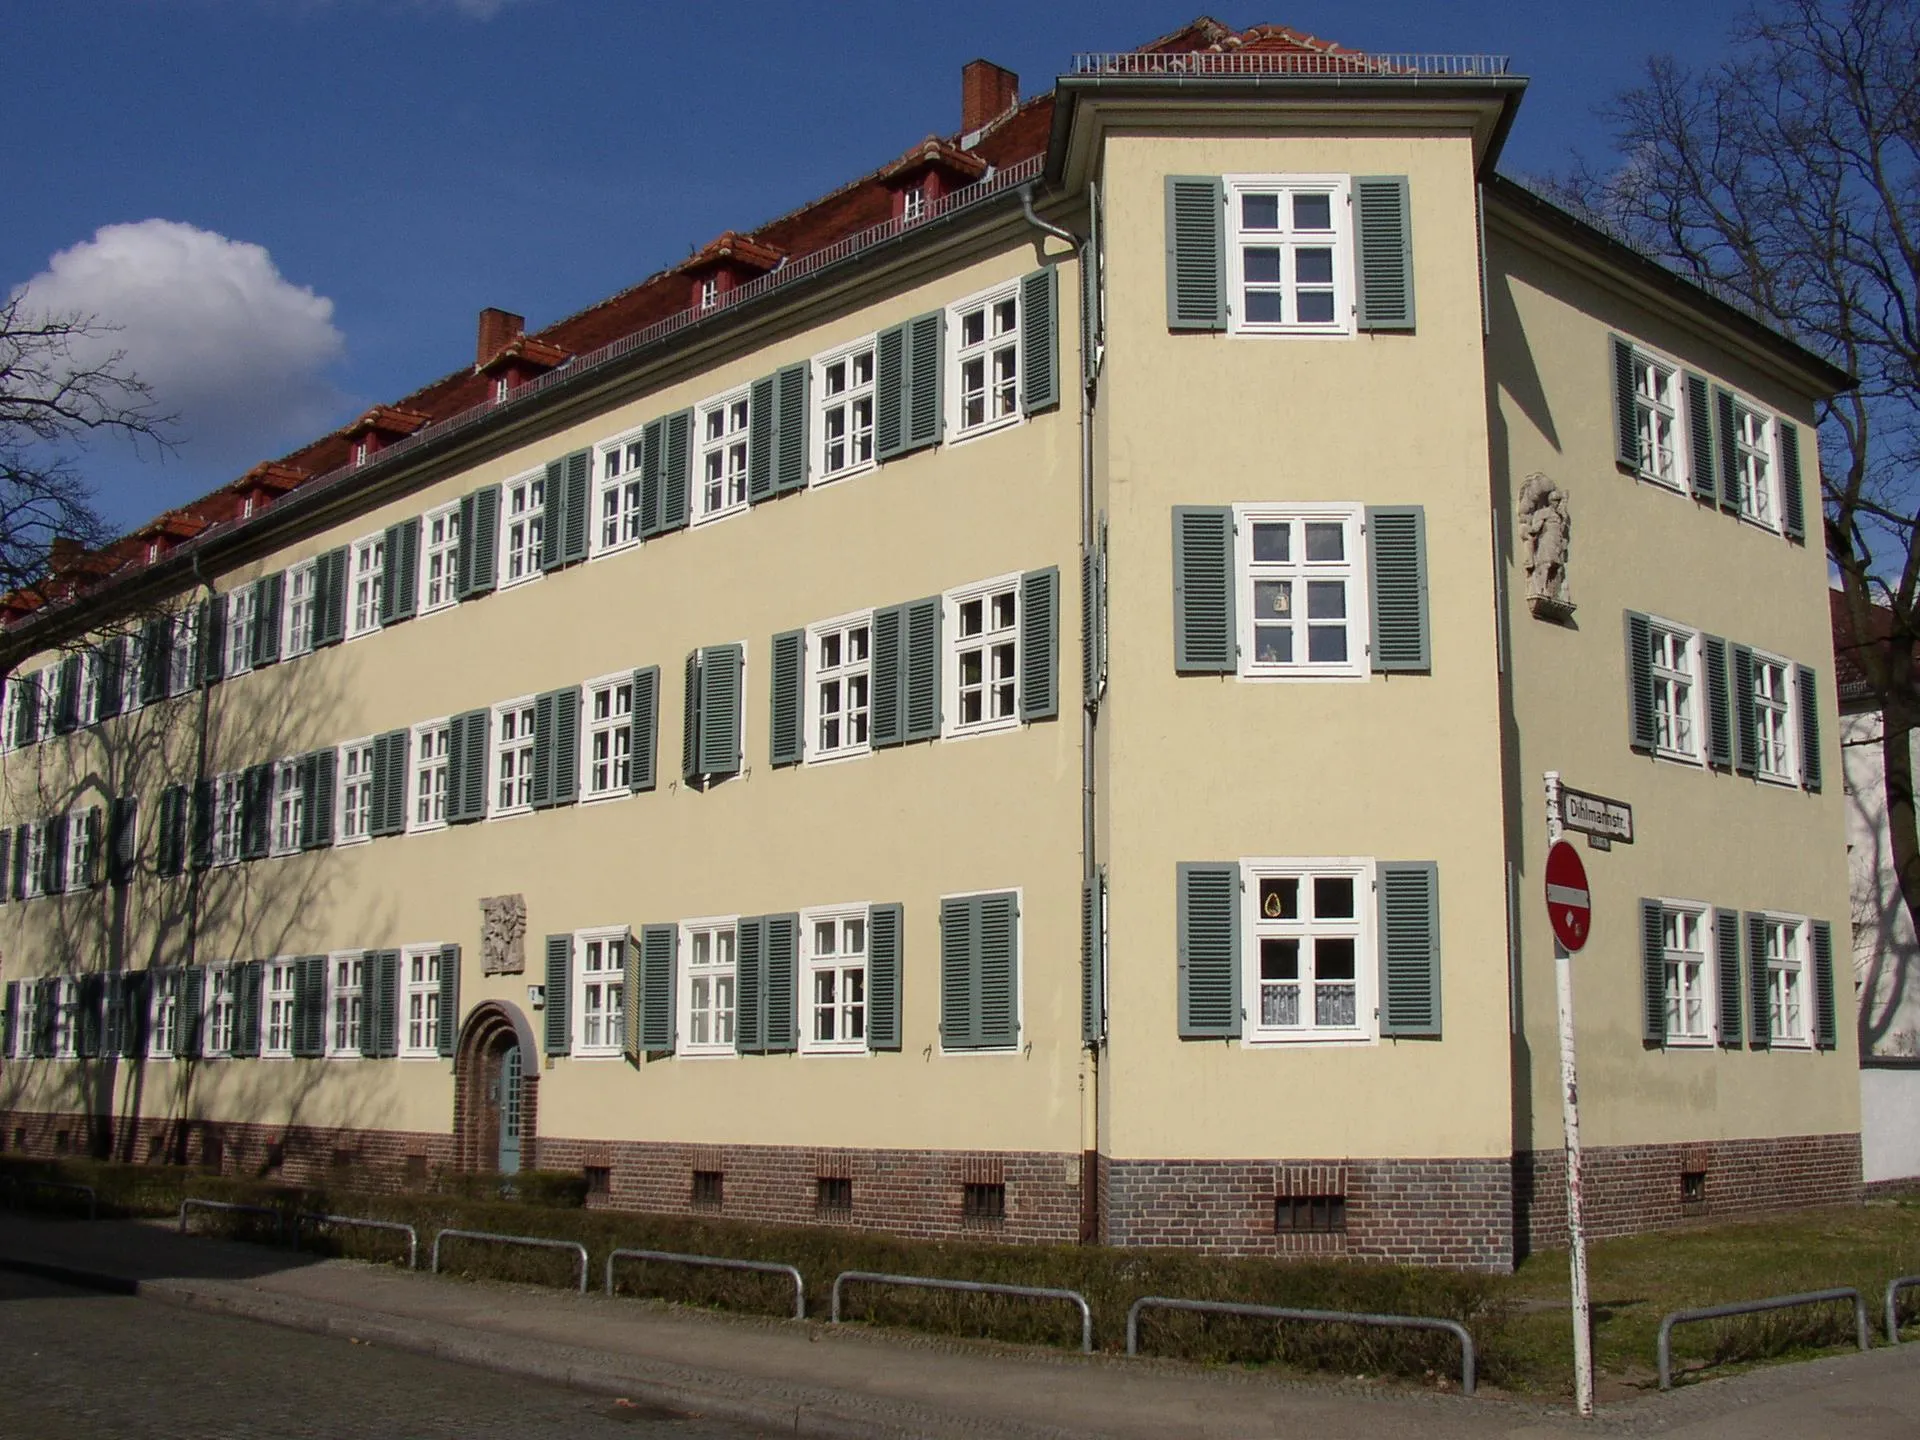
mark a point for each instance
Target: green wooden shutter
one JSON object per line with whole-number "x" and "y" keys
{"x": 400, "y": 572}
{"x": 690, "y": 723}
{"x": 1410, "y": 949}
{"x": 779, "y": 1031}
{"x": 643, "y": 742}
{"x": 477, "y": 563}
{"x": 556, "y": 748}
{"x": 6, "y": 864}
{"x": 12, "y": 1019}
{"x": 760, "y": 440}
{"x": 212, "y": 625}
{"x": 189, "y": 1013}
{"x": 787, "y": 721}
{"x": 168, "y": 858}
{"x": 559, "y": 1037}
{"x": 156, "y": 654}
{"x": 720, "y": 674}
{"x": 387, "y": 804}
{"x": 1826, "y": 1031}
{"x": 926, "y": 361}
{"x": 632, "y": 982}
{"x": 123, "y": 839}
{"x": 386, "y": 1016}
{"x": 888, "y": 677}
{"x": 54, "y": 854}
{"x": 467, "y": 736}
{"x": 246, "y": 1010}
{"x": 1204, "y": 638}
{"x": 1760, "y": 1036}
{"x": 1209, "y": 954}
{"x": 22, "y": 838}
{"x": 1039, "y": 340}
{"x": 1093, "y": 960}
{"x": 1806, "y": 705}
{"x": 920, "y": 692}
{"x": 578, "y": 469}
{"x": 268, "y": 593}
{"x": 553, "y": 516}
{"x": 1726, "y": 948}
{"x": 330, "y": 598}
{"x": 109, "y": 676}
{"x": 652, "y": 464}
{"x": 96, "y": 868}
{"x": 1699, "y": 438}
{"x": 1397, "y": 572}
{"x": 959, "y": 1015}
{"x": 1729, "y": 451}
{"x": 890, "y": 392}
{"x": 1747, "y": 756}
{"x": 1626, "y": 422}
{"x": 316, "y": 801}
{"x": 676, "y": 469}
{"x": 1196, "y": 253}
{"x": 202, "y": 824}
{"x": 1719, "y": 714}
{"x": 1383, "y": 221}
{"x": 1793, "y": 504}
{"x": 89, "y": 1022}
{"x": 370, "y": 1005}
{"x": 1653, "y": 973}
{"x": 1642, "y": 732}
{"x": 256, "y": 812}
{"x": 310, "y": 1006}
{"x": 749, "y": 985}
{"x": 447, "y": 1023}
{"x": 1040, "y": 643}
{"x": 66, "y": 696}
{"x": 997, "y": 966}
{"x": 792, "y": 387}
{"x": 135, "y": 989}
{"x": 885, "y": 943}
{"x": 659, "y": 952}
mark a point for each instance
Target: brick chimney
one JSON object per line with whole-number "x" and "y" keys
{"x": 498, "y": 329}
{"x": 986, "y": 93}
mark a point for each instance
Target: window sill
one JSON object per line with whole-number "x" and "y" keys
{"x": 353, "y": 635}
{"x": 1246, "y": 331}
{"x": 984, "y": 727}
{"x": 957, "y": 436}
{"x": 1317, "y": 1040}
{"x": 707, "y": 1052}
{"x": 837, "y": 757}
{"x": 510, "y": 812}
{"x": 421, "y": 1055}
{"x": 1769, "y": 526}
{"x": 426, "y": 610}
{"x": 1311, "y": 676}
{"x": 581, "y": 1052}
{"x": 526, "y": 579}
{"x": 1661, "y": 482}
{"x": 344, "y": 1055}
{"x": 1691, "y": 1042}
{"x": 348, "y": 841}
{"x": 619, "y": 547}
{"x": 824, "y": 1050}
{"x": 1804, "y": 1046}
{"x": 426, "y": 829}
{"x": 602, "y": 797}
{"x": 1780, "y": 782}
{"x": 983, "y": 1050}
{"x": 819, "y": 481}
{"x": 1678, "y": 757}
{"x": 713, "y": 516}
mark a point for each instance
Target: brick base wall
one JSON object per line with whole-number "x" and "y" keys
{"x": 1628, "y": 1189}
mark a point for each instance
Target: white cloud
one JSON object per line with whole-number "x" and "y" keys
{"x": 231, "y": 347}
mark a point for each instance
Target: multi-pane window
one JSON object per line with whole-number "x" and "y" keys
{"x": 221, "y": 1009}
{"x": 983, "y": 668}
{"x": 723, "y": 455}
{"x": 843, "y": 391}
{"x": 1675, "y": 693}
{"x": 1786, "y": 980}
{"x": 835, "y": 982}
{"x": 28, "y": 1024}
{"x": 289, "y": 807}
{"x": 229, "y": 816}
{"x": 440, "y": 555}
{"x": 240, "y": 622}
{"x": 609, "y": 736}
{"x": 183, "y": 663}
{"x": 839, "y": 698}
{"x": 420, "y": 1001}
{"x": 1656, "y": 412}
{"x": 300, "y": 599}
{"x": 356, "y": 789}
{"x": 600, "y": 992}
{"x": 66, "y": 1018}
{"x": 707, "y": 979}
{"x": 90, "y": 688}
{"x": 344, "y": 980}
{"x": 986, "y": 373}
{"x": 1689, "y": 1007}
{"x": 1773, "y": 718}
{"x": 1753, "y": 458}
{"x": 1311, "y": 943}
{"x": 369, "y": 571}
{"x": 513, "y": 756}
{"x": 522, "y": 503}
{"x": 276, "y": 1004}
{"x": 1288, "y": 248}
{"x": 429, "y": 775}
{"x": 163, "y": 1021}
{"x": 80, "y": 858}
{"x": 20, "y": 695}
{"x": 1303, "y": 592}
{"x": 36, "y": 861}
{"x": 619, "y": 507}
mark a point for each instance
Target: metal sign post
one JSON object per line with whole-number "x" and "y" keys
{"x": 1570, "y": 1118}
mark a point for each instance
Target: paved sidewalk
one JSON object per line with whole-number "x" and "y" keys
{"x": 813, "y": 1379}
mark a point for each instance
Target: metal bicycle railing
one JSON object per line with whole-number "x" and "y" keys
{"x": 717, "y": 1262}
{"x": 25, "y": 1182}
{"x": 316, "y": 1218}
{"x": 972, "y": 1287}
{"x": 1663, "y": 1349}
{"x": 534, "y": 1240}
{"x": 1894, "y": 1287}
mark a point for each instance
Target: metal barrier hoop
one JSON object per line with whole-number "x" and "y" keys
{"x": 973, "y": 1287}
{"x": 718, "y": 1262}
{"x": 1663, "y": 1349}
{"x": 1894, "y": 1287}
{"x": 540, "y": 1241}
{"x": 23, "y": 1182}
{"x": 279, "y": 1218}
{"x": 1330, "y": 1317}
{"x": 413, "y": 1235}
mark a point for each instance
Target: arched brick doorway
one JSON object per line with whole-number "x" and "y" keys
{"x": 486, "y": 1101}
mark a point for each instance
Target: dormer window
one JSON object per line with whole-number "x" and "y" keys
{"x": 709, "y": 292}
{"x": 500, "y": 389}
{"x": 361, "y": 450}
{"x": 153, "y": 551}
{"x": 246, "y": 508}
{"x": 913, "y": 204}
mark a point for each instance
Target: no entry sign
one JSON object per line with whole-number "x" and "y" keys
{"x": 1569, "y": 904}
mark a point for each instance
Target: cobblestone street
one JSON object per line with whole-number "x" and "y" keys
{"x": 84, "y": 1366}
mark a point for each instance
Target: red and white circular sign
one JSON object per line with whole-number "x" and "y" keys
{"x": 1569, "y": 903}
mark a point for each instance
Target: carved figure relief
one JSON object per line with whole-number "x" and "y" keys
{"x": 1546, "y": 530}
{"x": 503, "y": 934}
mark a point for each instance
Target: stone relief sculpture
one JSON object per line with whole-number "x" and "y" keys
{"x": 503, "y": 934}
{"x": 1547, "y": 530}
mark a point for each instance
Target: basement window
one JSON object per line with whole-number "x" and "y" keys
{"x": 709, "y": 1189}
{"x": 833, "y": 1195}
{"x": 599, "y": 1179}
{"x": 1693, "y": 1187}
{"x": 984, "y": 1204}
{"x": 1310, "y": 1215}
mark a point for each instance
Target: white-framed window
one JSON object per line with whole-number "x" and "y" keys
{"x": 428, "y": 810}
{"x": 298, "y": 639}
{"x": 420, "y": 1002}
{"x": 276, "y": 1006}
{"x": 136, "y": 662}
{"x": 599, "y": 991}
{"x": 1303, "y": 591}
{"x": 913, "y": 204}
{"x": 707, "y": 980}
{"x": 1290, "y": 251}
{"x": 240, "y": 622}
{"x": 617, "y": 498}
{"x": 1659, "y": 414}
{"x": 522, "y": 517}
{"x": 229, "y": 816}
{"x": 90, "y": 688}
{"x": 1773, "y": 718}
{"x": 1676, "y": 691}
{"x": 983, "y": 378}
{"x": 843, "y": 412}
{"x": 183, "y": 663}
{"x": 439, "y": 556}
{"x": 1310, "y": 956}
{"x": 609, "y": 736}
{"x": 289, "y": 807}
{"x": 221, "y": 1009}
{"x": 1753, "y": 435}
{"x": 36, "y": 857}
{"x": 709, "y": 292}
{"x": 20, "y": 694}
{"x": 28, "y": 1025}
{"x": 345, "y": 975}
{"x": 839, "y": 689}
{"x": 163, "y": 1019}
{"x": 369, "y": 563}
{"x": 833, "y": 984}
{"x": 66, "y": 1018}
{"x": 1686, "y": 937}
{"x": 513, "y": 756}
{"x": 722, "y": 472}
{"x": 79, "y": 857}
{"x": 1785, "y": 938}
{"x": 982, "y": 625}
{"x": 356, "y": 790}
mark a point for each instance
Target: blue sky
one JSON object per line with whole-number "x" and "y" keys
{"x": 343, "y": 184}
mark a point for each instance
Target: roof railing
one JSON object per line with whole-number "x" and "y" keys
{"x": 1231, "y": 63}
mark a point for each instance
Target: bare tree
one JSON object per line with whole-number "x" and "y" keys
{"x": 57, "y": 390}
{"x": 1787, "y": 179}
